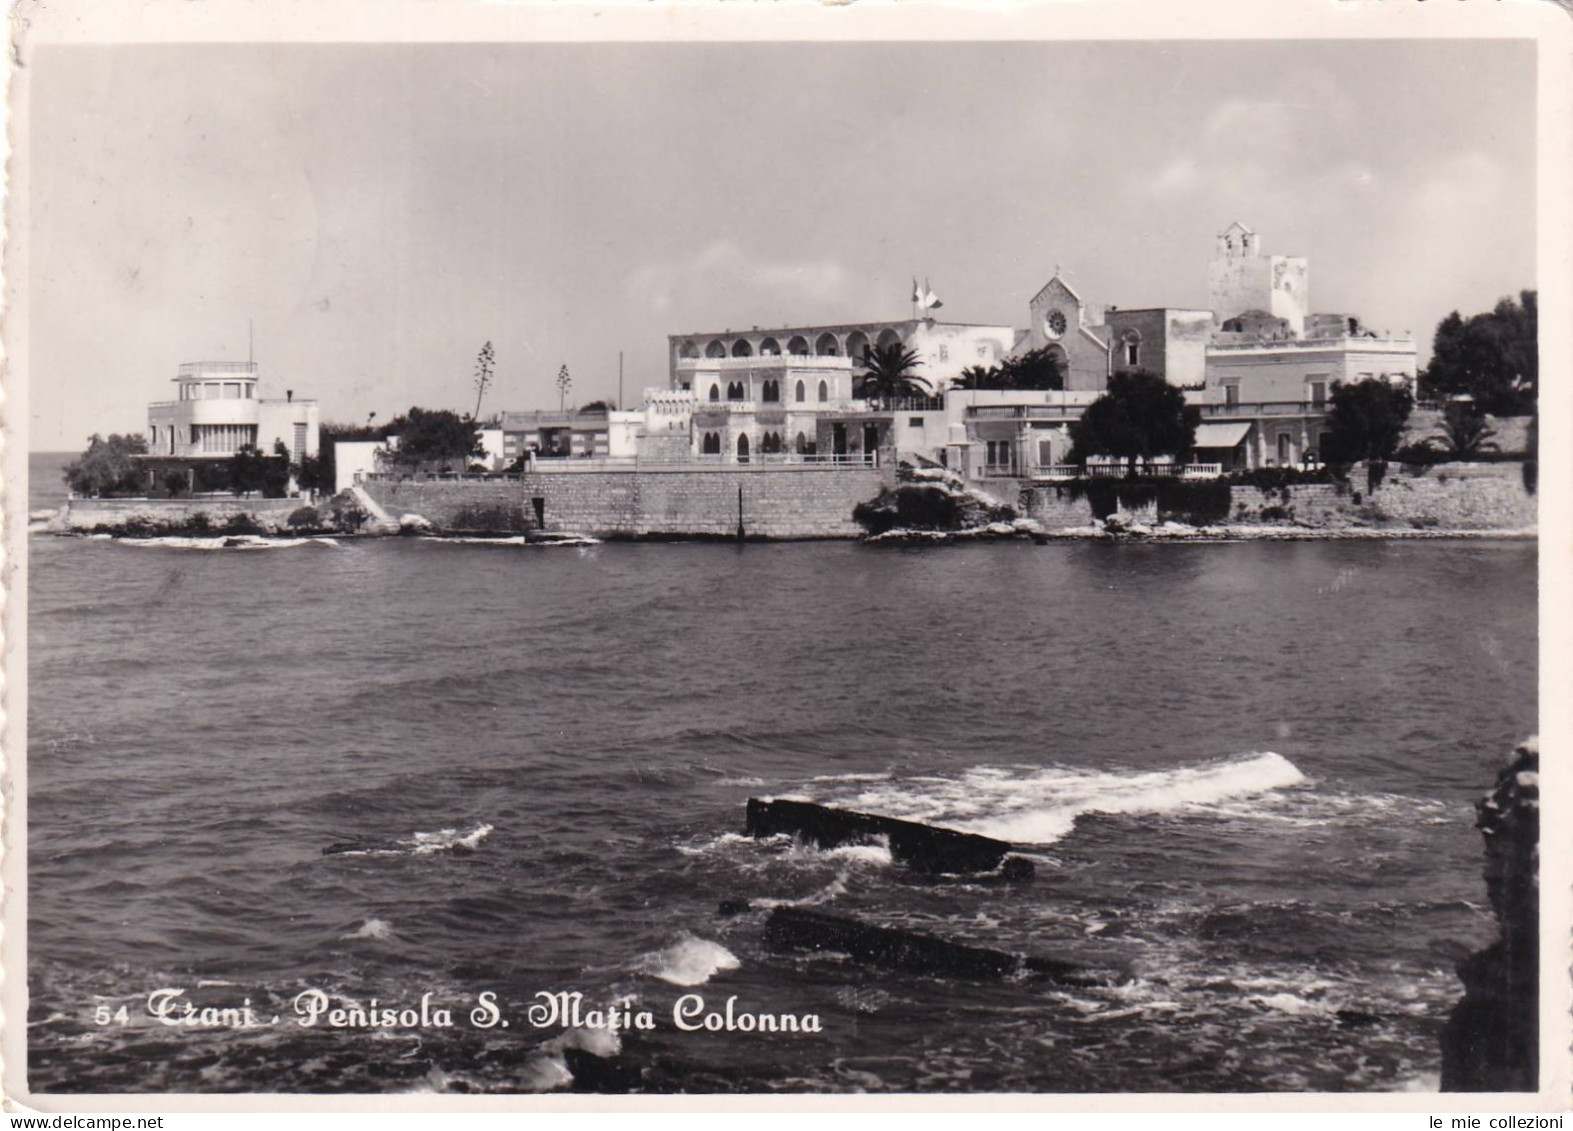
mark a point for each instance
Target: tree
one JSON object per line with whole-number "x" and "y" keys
{"x": 599, "y": 406}
{"x": 977, "y": 377}
{"x": 437, "y": 436}
{"x": 106, "y": 467}
{"x": 1038, "y": 369}
{"x": 1141, "y": 416}
{"x": 1365, "y": 420}
{"x": 251, "y": 471}
{"x": 1464, "y": 431}
{"x": 889, "y": 373}
{"x": 483, "y": 375}
{"x": 1491, "y": 358}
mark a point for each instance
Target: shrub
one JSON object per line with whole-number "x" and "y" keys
{"x": 1196, "y": 502}
{"x": 237, "y": 524}
{"x": 1281, "y": 478}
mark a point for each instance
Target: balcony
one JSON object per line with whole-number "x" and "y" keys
{"x": 1344, "y": 341}
{"x": 766, "y": 361}
{"x": 1265, "y": 408}
{"x": 204, "y": 368}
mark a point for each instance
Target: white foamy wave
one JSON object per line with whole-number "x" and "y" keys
{"x": 1041, "y": 806}
{"x": 446, "y": 840}
{"x": 875, "y": 852}
{"x": 834, "y": 888}
{"x": 475, "y": 540}
{"x": 691, "y": 962}
{"x": 722, "y": 842}
{"x": 223, "y": 542}
{"x": 372, "y": 929}
{"x": 565, "y": 540}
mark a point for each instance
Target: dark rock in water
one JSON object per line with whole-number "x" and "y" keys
{"x": 793, "y": 928}
{"x": 920, "y": 847}
{"x": 365, "y": 846}
{"x": 1491, "y": 1040}
{"x": 1017, "y": 868}
{"x": 1356, "y": 1019}
{"x": 602, "y": 1074}
{"x": 734, "y": 907}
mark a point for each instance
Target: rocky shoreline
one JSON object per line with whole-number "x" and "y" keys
{"x": 1117, "y": 529}
{"x": 1491, "y": 1040}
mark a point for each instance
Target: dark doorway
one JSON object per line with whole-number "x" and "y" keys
{"x": 838, "y": 439}
{"x": 540, "y": 512}
{"x": 742, "y": 448}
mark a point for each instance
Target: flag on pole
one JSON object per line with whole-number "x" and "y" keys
{"x": 930, "y": 299}
{"x": 917, "y": 291}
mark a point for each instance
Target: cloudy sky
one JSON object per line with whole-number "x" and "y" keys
{"x": 381, "y": 211}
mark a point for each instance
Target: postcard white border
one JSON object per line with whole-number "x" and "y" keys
{"x": 35, "y": 23}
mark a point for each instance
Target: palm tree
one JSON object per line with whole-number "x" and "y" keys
{"x": 889, "y": 373}
{"x": 1464, "y": 431}
{"x": 977, "y": 377}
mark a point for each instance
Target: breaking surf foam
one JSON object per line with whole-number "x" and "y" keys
{"x": 372, "y": 929}
{"x": 447, "y": 840}
{"x": 1041, "y": 806}
{"x": 690, "y": 962}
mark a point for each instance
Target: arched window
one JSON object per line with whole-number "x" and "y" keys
{"x": 715, "y": 349}
{"x": 857, "y": 345}
{"x": 827, "y": 346}
{"x": 824, "y": 392}
{"x": 742, "y": 447}
{"x": 712, "y": 444}
{"x": 688, "y": 349}
{"x": 741, "y": 348}
{"x": 1283, "y": 449}
{"x": 798, "y": 393}
{"x": 715, "y": 392}
{"x": 769, "y": 348}
{"x": 798, "y": 346}
{"x": 1132, "y": 342}
{"x": 734, "y": 391}
{"x": 888, "y": 337}
{"x": 771, "y": 392}
{"x": 801, "y": 443}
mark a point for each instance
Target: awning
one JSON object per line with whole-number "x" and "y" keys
{"x": 1224, "y": 436}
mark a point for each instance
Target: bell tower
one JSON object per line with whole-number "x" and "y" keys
{"x": 1241, "y": 279}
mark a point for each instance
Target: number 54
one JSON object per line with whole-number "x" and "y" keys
{"x": 102, "y": 1016}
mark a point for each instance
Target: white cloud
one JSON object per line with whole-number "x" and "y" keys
{"x": 1178, "y": 175}
{"x": 723, "y": 275}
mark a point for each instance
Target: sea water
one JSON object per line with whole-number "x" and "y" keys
{"x": 1245, "y": 773}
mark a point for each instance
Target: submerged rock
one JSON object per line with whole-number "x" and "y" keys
{"x": 1491, "y": 1040}
{"x": 923, "y": 848}
{"x": 895, "y": 948}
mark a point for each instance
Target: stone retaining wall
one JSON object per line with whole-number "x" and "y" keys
{"x": 792, "y": 501}
{"x": 470, "y": 505}
{"x": 1450, "y": 496}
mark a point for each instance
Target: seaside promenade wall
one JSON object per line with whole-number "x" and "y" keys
{"x": 787, "y": 501}
{"x": 1449, "y": 496}
{"x": 473, "y": 505}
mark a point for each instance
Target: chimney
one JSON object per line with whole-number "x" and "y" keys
{"x": 289, "y": 395}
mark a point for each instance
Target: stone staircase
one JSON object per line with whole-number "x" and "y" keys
{"x": 383, "y": 522}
